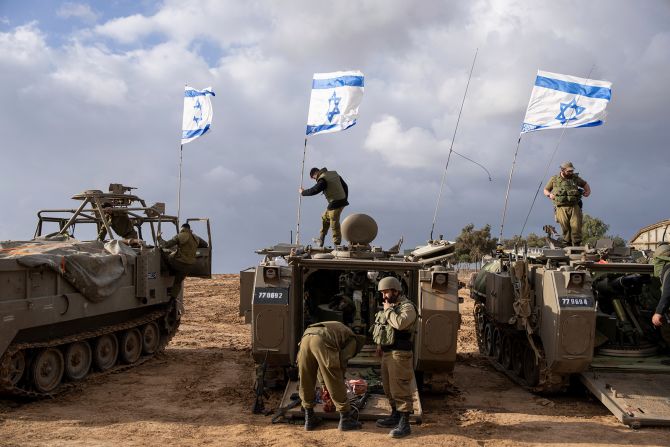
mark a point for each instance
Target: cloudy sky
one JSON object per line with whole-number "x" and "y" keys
{"x": 92, "y": 93}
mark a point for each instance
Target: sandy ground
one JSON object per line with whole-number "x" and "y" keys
{"x": 199, "y": 392}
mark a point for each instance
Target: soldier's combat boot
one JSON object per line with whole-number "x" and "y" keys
{"x": 391, "y": 421}
{"x": 347, "y": 422}
{"x": 311, "y": 420}
{"x": 402, "y": 429}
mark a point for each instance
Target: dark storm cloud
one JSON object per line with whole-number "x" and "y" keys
{"x": 105, "y": 106}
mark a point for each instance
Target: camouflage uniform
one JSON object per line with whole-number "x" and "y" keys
{"x": 121, "y": 224}
{"x": 183, "y": 259}
{"x": 567, "y": 203}
{"x": 397, "y": 359}
{"x": 336, "y": 191}
{"x": 325, "y": 349}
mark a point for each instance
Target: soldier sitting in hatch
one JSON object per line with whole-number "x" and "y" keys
{"x": 119, "y": 221}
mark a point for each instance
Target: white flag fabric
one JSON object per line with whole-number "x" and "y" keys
{"x": 558, "y": 101}
{"x": 197, "y": 113}
{"x": 334, "y": 103}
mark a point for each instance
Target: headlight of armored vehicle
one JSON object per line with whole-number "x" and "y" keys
{"x": 271, "y": 273}
{"x": 439, "y": 280}
{"x": 576, "y": 280}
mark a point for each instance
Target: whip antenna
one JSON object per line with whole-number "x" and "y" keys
{"x": 451, "y": 148}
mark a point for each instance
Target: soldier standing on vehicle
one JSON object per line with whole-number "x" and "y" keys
{"x": 337, "y": 192}
{"x": 119, "y": 222}
{"x": 661, "y": 270}
{"x": 325, "y": 349}
{"x": 182, "y": 260}
{"x": 566, "y": 190}
{"x": 392, "y": 332}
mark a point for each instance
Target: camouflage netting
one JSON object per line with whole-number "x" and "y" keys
{"x": 93, "y": 268}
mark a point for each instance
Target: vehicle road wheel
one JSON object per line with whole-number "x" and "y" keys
{"x": 17, "y": 367}
{"x": 151, "y": 338}
{"x": 506, "y": 352}
{"x": 497, "y": 345}
{"x": 488, "y": 339}
{"x": 78, "y": 358}
{"x": 130, "y": 347}
{"x": 105, "y": 352}
{"x": 47, "y": 370}
{"x": 518, "y": 347}
{"x": 531, "y": 369}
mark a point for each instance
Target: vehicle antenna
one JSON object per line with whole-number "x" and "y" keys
{"x": 451, "y": 147}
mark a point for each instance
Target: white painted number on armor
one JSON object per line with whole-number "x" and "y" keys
{"x": 271, "y": 295}
{"x": 585, "y": 302}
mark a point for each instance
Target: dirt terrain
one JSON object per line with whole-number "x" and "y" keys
{"x": 199, "y": 392}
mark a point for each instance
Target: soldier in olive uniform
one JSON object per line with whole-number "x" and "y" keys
{"x": 325, "y": 349}
{"x": 337, "y": 192}
{"x": 119, "y": 222}
{"x": 566, "y": 190}
{"x": 392, "y": 333}
{"x": 181, "y": 261}
{"x": 661, "y": 270}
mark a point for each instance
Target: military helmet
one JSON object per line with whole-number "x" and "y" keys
{"x": 567, "y": 166}
{"x": 390, "y": 282}
{"x": 661, "y": 250}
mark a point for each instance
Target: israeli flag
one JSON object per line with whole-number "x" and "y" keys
{"x": 558, "y": 101}
{"x": 197, "y": 113}
{"x": 334, "y": 103}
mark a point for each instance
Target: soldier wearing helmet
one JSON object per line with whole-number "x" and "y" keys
{"x": 392, "y": 332}
{"x": 661, "y": 269}
{"x": 566, "y": 190}
{"x": 337, "y": 192}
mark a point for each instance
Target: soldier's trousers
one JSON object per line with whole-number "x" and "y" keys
{"x": 180, "y": 270}
{"x": 331, "y": 219}
{"x": 315, "y": 357}
{"x": 570, "y": 220}
{"x": 397, "y": 379}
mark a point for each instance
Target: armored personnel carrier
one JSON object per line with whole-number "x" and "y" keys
{"x": 295, "y": 286}
{"x": 72, "y": 304}
{"x": 547, "y": 316}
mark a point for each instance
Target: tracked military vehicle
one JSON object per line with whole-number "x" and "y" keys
{"x": 295, "y": 286}
{"x": 546, "y": 316}
{"x": 72, "y": 305}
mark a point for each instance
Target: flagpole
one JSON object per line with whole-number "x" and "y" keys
{"x": 451, "y": 148}
{"x": 302, "y": 178}
{"x": 509, "y": 183}
{"x": 181, "y": 151}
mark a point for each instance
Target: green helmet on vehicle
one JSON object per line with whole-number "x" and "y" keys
{"x": 390, "y": 282}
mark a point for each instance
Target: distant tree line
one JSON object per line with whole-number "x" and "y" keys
{"x": 472, "y": 244}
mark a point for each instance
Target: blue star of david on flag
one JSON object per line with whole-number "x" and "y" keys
{"x": 565, "y": 107}
{"x": 580, "y": 102}
{"x": 333, "y": 101}
{"x": 333, "y": 104}
{"x": 198, "y": 113}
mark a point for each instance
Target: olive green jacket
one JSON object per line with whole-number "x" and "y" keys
{"x": 339, "y": 337}
{"x": 187, "y": 246}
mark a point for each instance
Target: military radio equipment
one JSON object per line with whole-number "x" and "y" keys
{"x": 295, "y": 286}
{"x": 71, "y": 307}
{"x": 545, "y": 316}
